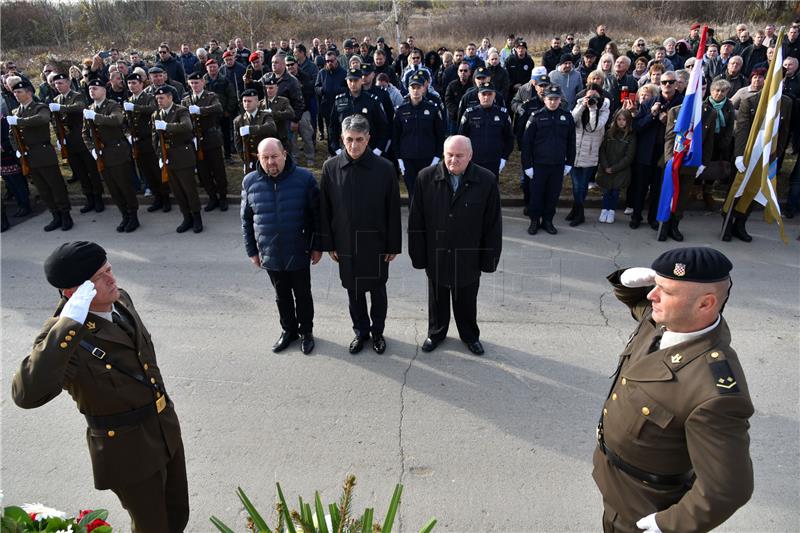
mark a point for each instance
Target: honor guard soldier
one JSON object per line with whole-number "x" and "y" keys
{"x": 279, "y": 106}
{"x": 96, "y": 347}
{"x": 672, "y": 442}
{"x": 548, "y": 153}
{"x": 172, "y": 140}
{"x": 249, "y": 128}
{"x": 104, "y": 135}
{"x": 488, "y": 127}
{"x": 30, "y": 128}
{"x": 355, "y": 101}
{"x": 206, "y": 110}
{"x": 139, "y": 109}
{"x": 67, "y": 109}
{"x": 418, "y": 133}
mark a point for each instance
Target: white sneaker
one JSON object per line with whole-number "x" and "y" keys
{"x": 147, "y": 193}
{"x": 603, "y": 215}
{"x": 610, "y": 216}
{"x": 628, "y": 210}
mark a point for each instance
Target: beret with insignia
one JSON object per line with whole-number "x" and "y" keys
{"x": 699, "y": 264}
{"x": 695, "y": 26}
{"x": 211, "y": 62}
{"x": 134, "y": 77}
{"x": 194, "y": 76}
{"x": 22, "y": 84}
{"x": 249, "y": 92}
{"x": 269, "y": 79}
{"x": 166, "y": 89}
{"x": 254, "y": 56}
{"x": 59, "y": 76}
{"x": 227, "y": 53}
{"x": 72, "y": 263}
{"x": 97, "y": 82}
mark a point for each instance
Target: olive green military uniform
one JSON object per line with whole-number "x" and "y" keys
{"x": 83, "y": 165}
{"x": 34, "y": 126}
{"x": 283, "y": 114}
{"x": 679, "y": 414}
{"x": 133, "y": 434}
{"x": 262, "y": 125}
{"x": 113, "y": 149}
{"x": 211, "y": 169}
{"x": 140, "y": 129}
{"x": 180, "y": 156}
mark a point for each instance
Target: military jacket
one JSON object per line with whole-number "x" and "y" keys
{"x": 489, "y": 129}
{"x": 208, "y": 119}
{"x": 111, "y": 143}
{"x": 262, "y": 125}
{"x": 34, "y": 127}
{"x": 72, "y": 105}
{"x": 283, "y": 113}
{"x": 178, "y": 136}
{"x": 139, "y": 121}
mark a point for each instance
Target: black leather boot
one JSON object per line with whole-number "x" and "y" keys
{"x": 213, "y": 203}
{"x": 739, "y": 230}
{"x": 55, "y": 223}
{"x": 186, "y": 224}
{"x": 548, "y": 226}
{"x": 674, "y": 232}
{"x": 167, "y": 205}
{"x": 99, "y": 206}
{"x": 579, "y": 217}
{"x": 727, "y": 235}
{"x": 89, "y": 204}
{"x": 133, "y": 222}
{"x": 125, "y": 219}
{"x": 197, "y": 222}
{"x": 157, "y": 203}
{"x": 66, "y": 220}
{"x": 533, "y": 228}
{"x": 571, "y": 215}
{"x": 223, "y": 203}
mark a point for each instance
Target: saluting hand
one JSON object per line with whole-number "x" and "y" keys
{"x": 638, "y": 277}
{"x": 77, "y": 307}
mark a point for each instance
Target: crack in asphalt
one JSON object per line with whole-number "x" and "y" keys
{"x": 402, "y": 415}
{"x": 614, "y": 258}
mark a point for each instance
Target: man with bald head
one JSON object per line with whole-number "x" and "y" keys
{"x": 455, "y": 232}
{"x": 280, "y": 225}
{"x": 672, "y": 442}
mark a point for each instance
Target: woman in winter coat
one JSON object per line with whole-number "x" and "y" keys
{"x": 616, "y": 158}
{"x": 590, "y": 115}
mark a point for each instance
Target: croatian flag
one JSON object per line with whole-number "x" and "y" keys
{"x": 688, "y": 149}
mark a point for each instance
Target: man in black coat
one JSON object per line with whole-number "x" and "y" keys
{"x": 360, "y": 227}
{"x": 455, "y": 232}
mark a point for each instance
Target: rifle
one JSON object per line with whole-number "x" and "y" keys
{"x": 163, "y": 142}
{"x": 129, "y": 117}
{"x": 98, "y": 146}
{"x": 246, "y": 153}
{"x": 61, "y": 135}
{"x": 23, "y": 150}
{"x": 198, "y": 136}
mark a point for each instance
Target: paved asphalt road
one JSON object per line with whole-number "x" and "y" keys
{"x": 499, "y": 443}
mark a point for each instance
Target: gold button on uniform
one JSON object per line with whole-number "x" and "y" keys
{"x": 145, "y": 366}
{"x": 108, "y": 367}
{"x": 68, "y": 338}
{"x": 614, "y": 396}
{"x": 111, "y": 433}
{"x": 645, "y": 411}
{"x": 72, "y": 332}
{"x": 63, "y": 344}
{"x": 624, "y": 381}
{"x": 152, "y": 380}
{"x": 714, "y": 354}
{"x": 605, "y": 411}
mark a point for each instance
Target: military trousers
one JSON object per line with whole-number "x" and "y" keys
{"x": 84, "y": 168}
{"x": 118, "y": 181}
{"x": 545, "y": 187}
{"x": 51, "y": 187}
{"x": 306, "y": 132}
{"x": 147, "y": 163}
{"x": 184, "y": 188}
{"x": 211, "y": 171}
{"x": 465, "y": 310}
{"x": 377, "y": 312}
{"x": 160, "y": 502}
{"x": 293, "y": 297}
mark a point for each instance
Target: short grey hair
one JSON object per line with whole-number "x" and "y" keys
{"x": 201, "y": 52}
{"x": 721, "y": 84}
{"x": 356, "y": 123}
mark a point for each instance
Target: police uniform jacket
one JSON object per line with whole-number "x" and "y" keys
{"x": 418, "y": 131}
{"x": 34, "y": 126}
{"x": 671, "y": 411}
{"x": 747, "y": 113}
{"x": 489, "y": 129}
{"x": 455, "y": 236}
{"x": 365, "y": 104}
{"x": 519, "y": 69}
{"x": 283, "y": 113}
{"x": 139, "y": 121}
{"x": 262, "y": 125}
{"x": 108, "y": 123}
{"x": 385, "y": 100}
{"x": 210, "y": 113}
{"x": 120, "y": 455}
{"x": 549, "y": 139}
{"x": 470, "y": 99}
{"x": 360, "y": 217}
{"x": 72, "y": 105}
{"x": 178, "y": 136}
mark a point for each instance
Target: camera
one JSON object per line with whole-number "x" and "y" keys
{"x": 593, "y": 101}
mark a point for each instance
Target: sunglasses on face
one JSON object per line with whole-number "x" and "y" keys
{"x": 460, "y": 70}
{"x": 329, "y": 60}
{"x": 667, "y": 82}
{"x": 162, "y": 51}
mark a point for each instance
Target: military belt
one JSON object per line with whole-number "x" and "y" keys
{"x": 673, "y": 480}
{"x": 128, "y": 418}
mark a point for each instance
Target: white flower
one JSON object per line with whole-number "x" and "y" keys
{"x": 42, "y": 512}
{"x": 68, "y": 530}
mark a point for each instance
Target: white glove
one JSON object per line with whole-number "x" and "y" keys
{"x": 268, "y": 110}
{"x": 402, "y": 166}
{"x": 77, "y": 307}
{"x": 700, "y": 170}
{"x": 160, "y": 163}
{"x": 638, "y": 277}
{"x": 648, "y": 524}
{"x": 12, "y": 120}
{"x": 244, "y": 131}
{"x": 94, "y": 154}
{"x": 377, "y": 151}
{"x": 58, "y": 145}
{"x": 55, "y": 108}
{"x": 502, "y": 165}
{"x": 339, "y": 151}
{"x": 194, "y": 110}
{"x": 88, "y": 114}
{"x": 127, "y": 106}
{"x": 529, "y": 172}
{"x": 435, "y": 161}
{"x": 161, "y": 125}
{"x": 567, "y": 169}
{"x": 19, "y": 155}
{"x": 740, "y": 164}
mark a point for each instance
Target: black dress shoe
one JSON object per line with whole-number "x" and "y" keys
{"x": 285, "y": 340}
{"x": 533, "y": 228}
{"x": 475, "y": 347}
{"x": 22, "y": 212}
{"x": 634, "y": 224}
{"x": 306, "y": 343}
{"x": 213, "y": 203}
{"x": 356, "y": 344}
{"x": 223, "y": 203}
{"x": 429, "y": 345}
{"x": 548, "y": 226}
{"x": 653, "y": 224}
{"x": 378, "y": 343}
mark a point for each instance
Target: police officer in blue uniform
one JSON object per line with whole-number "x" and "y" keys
{"x": 488, "y": 127}
{"x": 418, "y": 132}
{"x": 523, "y": 112}
{"x": 470, "y": 97}
{"x": 368, "y": 75}
{"x": 548, "y": 153}
{"x": 357, "y": 102}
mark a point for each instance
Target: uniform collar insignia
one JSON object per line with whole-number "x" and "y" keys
{"x": 676, "y": 358}
{"x": 91, "y": 325}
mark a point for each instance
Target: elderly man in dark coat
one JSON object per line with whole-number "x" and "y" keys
{"x": 455, "y": 232}
{"x": 360, "y": 227}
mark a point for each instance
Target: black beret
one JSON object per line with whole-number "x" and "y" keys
{"x": 97, "y": 82}
{"x": 349, "y": 44}
{"x": 22, "y": 84}
{"x": 354, "y": 74}
{"x": 566, "y": 57}
{"x": 60, "y": 76}
{"x": 482, "y": 72}
{"x": 194, "y": 76}
{"x": 72, "y": 263}
{"x": 249, "y": 92}
{"x": 269, "y": 79}
{"x": 699, "y": 264}
{"x": 166, "y": 89}
{"x": 134, "y": 77}
{"x": 486, "y": 87}
{"x": 553, "y": 90}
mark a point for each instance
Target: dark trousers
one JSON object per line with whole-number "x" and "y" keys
{"x": 612, "y": 522}
{"x": 84, "y": 168}
{"x": 148, "y": 168}
{"x": 413, "y": 166}
{"x": 377, "y": 312}
{"x": 184, "y": 188}
{"x": 525, "y": 185}
{"x": 686, "y": 184}
{"x": 226, "y": 124}
{"x": 465, "y": 310}
{"x": 211, "y": 171}
{"x": 293, "y": 297}
{"x": 545, "y": 186}
{"x": 491, "y": 166}
{"x": 160, "y": 502}
{"x": 118, "y": 181}
{"x": 18, "y": 186}
{"x": 645, "y": 178}
{"x": 51, "y": 187}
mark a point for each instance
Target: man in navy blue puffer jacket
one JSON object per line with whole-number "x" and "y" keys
{"x": 280, "y": 224}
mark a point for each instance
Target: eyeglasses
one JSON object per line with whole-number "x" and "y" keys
{"x": 329, "y": 60}
{"x": 668, "y": 82}
{"x": 162, "y": 52}
{"x": 290, "y": 64}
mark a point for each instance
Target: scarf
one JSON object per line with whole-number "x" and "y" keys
{"x": 720, "y": 117}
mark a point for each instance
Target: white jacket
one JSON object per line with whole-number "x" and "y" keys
{"x": 588, "y": 140}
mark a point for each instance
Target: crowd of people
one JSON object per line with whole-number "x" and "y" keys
{"x": 158, "y": 128}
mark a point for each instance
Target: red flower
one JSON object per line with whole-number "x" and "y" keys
{"x": 33, "y": 516}
{"x": 94, "y": 524}
{"x": 82, "y": 514}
